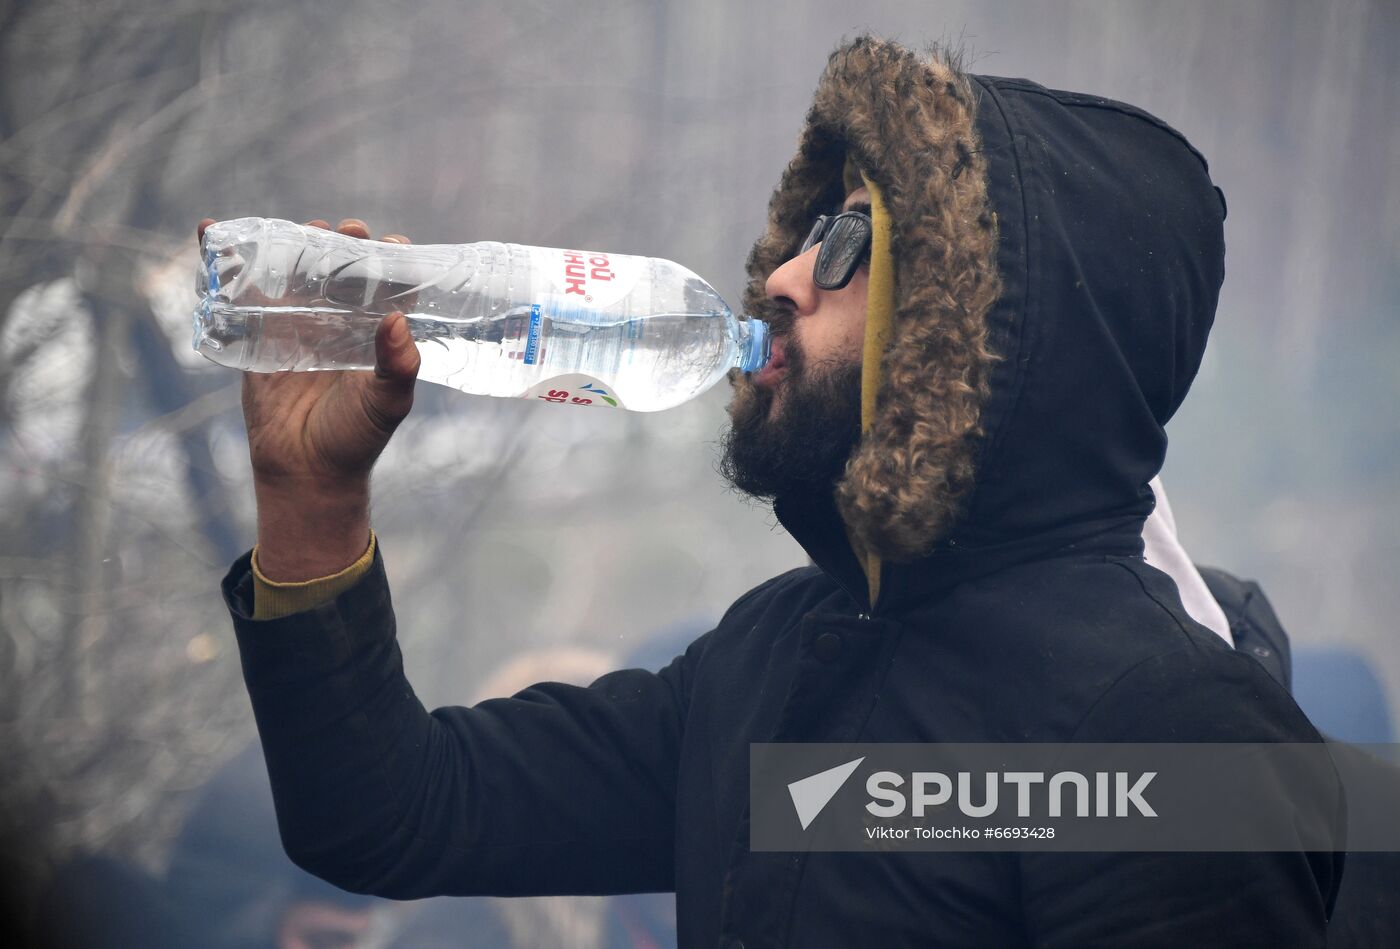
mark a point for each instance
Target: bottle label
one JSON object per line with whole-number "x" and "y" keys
{"x": 590, "y": 278}
{"x": 575, "y": 388}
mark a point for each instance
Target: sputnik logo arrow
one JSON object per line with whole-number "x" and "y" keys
{"x": 811, "y": 794}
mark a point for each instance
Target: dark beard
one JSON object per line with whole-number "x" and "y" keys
{"x": 805, "y": 447}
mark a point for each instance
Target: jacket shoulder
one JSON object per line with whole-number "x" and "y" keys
{"x": 794, "y": 592}
{"x": 1060, "y": 641}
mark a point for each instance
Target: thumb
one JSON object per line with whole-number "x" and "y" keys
{"x": 395, "y": 354}
{"x": 396, "y": 364}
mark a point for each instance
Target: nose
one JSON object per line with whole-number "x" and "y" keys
{"x": 793, "y": 282}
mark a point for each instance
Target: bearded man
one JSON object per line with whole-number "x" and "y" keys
{"x": 987, "y": 299}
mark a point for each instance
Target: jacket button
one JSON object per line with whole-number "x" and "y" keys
{"x": 827, "y": 647}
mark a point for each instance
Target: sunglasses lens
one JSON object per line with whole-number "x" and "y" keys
{"x": 842, "y": 249}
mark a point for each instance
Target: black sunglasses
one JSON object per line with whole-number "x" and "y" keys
{"x": 845, "y": 240}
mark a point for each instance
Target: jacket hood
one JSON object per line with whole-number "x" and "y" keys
{"x": 1057, "y": 259}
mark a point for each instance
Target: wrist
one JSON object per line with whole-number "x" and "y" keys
{"x": 306, "y": 532}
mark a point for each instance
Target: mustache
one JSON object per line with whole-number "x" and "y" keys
{"x": 779, "y": 317}
{"x": 782, "y": 323}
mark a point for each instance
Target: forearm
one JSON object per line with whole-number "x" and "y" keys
{"x": 344, "y": 737}
{"x": 307, "y": 531}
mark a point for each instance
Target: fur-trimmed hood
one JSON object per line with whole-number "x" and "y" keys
{"x": 1057, "y": 260}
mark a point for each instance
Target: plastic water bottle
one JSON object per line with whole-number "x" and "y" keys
{"x": 563, "y": 326}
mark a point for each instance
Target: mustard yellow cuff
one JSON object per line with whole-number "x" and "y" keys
{"x": 272, "y": 600}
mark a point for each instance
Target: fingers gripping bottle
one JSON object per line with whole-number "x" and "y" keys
{"x": 562, "y": 326}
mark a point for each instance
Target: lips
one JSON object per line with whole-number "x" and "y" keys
{"x": 775, "y": 368}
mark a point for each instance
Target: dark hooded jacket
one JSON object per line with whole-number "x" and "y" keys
{"x": 1057, "y": 259}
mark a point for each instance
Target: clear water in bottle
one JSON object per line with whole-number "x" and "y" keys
{"x": 564, "y": 326}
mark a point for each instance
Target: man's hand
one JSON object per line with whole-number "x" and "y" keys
{"x": 313, "y": 438}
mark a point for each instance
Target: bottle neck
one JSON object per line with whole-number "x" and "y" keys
{"x": 754, "y": 345}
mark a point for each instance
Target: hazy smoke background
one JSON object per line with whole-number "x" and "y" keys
{"x": 651, "y": 128}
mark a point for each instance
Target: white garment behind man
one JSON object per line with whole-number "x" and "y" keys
{"x": 1164, "y": 551}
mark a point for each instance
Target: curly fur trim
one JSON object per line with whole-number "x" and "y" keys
{"x": 908, "y": 120}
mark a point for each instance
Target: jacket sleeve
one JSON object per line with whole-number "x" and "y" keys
{"x": 558, "y": 789}
{"x": 1193, "y": 899}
